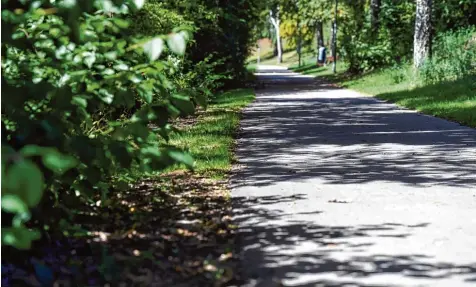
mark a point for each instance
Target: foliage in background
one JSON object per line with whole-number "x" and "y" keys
{"x": 454, "y": 57}
{"x": 361, "y": 45}
{"x": 223, "y": 36}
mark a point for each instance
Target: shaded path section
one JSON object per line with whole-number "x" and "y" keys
{"x": 333, "y": 188}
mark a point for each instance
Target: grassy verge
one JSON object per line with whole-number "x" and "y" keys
{"x": 451, "y": 100}
{"x": 169, "y": 229}
{"x": 210, "y": 139}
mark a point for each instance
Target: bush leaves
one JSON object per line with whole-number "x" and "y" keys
{"x": 153, "y": 48}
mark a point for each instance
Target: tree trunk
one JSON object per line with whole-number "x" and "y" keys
{"x": 299, "y": 42}
{"x": 422, "y": 37}
{"x": 334, "y": 39}
{"x": 374, "y": 14}
{"x": 334, "y": 46}
{"x": 275, "y": 21}
{"x": 319, "y": 35}
{"x": 275, "y": 48}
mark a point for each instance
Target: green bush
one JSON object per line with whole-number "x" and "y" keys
{"x": 203, "y": 75}
{"x": 69, "y": 71}
{"x": 223, "y": 35}
{"x": 454, "y": 56}
{"x": 400, "y": 73}
{"x": 365, "y": 55}
{"x": 155, "y": 19}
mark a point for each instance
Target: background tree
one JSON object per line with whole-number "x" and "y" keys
{"x": 274, "y": 18}
{"x": 422, "y": 42}
{"x": 374, "y": 14}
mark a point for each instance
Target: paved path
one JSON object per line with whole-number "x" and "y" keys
{"x": 333, "y": 188}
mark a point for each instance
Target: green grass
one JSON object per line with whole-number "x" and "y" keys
{"x": 210, "y": 140}
{"x": 451, "y": 100}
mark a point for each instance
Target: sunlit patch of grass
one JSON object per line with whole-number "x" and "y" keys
{"x": 455, "y": 101}
{"x": 210, "y": 140}
{"x": 452, "y": 100}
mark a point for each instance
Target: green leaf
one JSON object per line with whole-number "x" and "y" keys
{"x": 14, "y": 204}
{"x": 32, "y": 150}
{"x": 106, "y": 96}
{"x": 183, "y": 103}
{"x": 181, "y": 157}
{"x": 19, "y": 237}
{"x": 58, "y": 162}
{"x": 177, "y": 43}
{"x": 112, "y": 55}
{"x": 145, "y": 114}
{"x": 121, "y": 23}
{"x": 79, "y": 101}
{"x": 154, "y": 48}
{"x": 139, "y": 3}
{"x": 145, "y": 91}
{"x": 89, "y": 59}
{"x": 25, "y": 180}
{"x": 52, "y": 159}
{"x": 121, "y": 67}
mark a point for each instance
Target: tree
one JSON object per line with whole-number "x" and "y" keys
{"x": 274, "y": 19}
{"x": 422, "y": 36}
{"x": 313, "y": 13}
{"x": 374, "y": 14}
{"x": 319, "y": 34}
{"x": 334, "y": 40}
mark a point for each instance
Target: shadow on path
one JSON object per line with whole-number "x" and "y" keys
{"x": 268, "y": 229}
{"x": 347, "y": 139}
{"x": 412, "y": 178}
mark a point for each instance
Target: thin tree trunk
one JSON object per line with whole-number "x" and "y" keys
{"x": 275, "y": 48}
{"x": 299, "y": 43}
{"x": 374, "y": 14}
{"x": 334, "y": 40}
{"x": 280, "y": 48}
{"x": 275, "y": 21}
{"x": 422, "y": 37}
{"x": 319, "y": 36}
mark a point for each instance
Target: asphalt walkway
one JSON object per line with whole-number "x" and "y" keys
{"x": 333, "y": 188}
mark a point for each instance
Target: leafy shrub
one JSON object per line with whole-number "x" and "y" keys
{"x": 157, "y": 18}
{"x": 454, "y": 56}
{"x": 400, "y": 73}
{"x": 69, "y": 71}
{"x": 364, "y": 55}
{"x": 224, "y": 28}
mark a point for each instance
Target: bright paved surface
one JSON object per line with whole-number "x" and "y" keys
{"x": 333, "y": 188}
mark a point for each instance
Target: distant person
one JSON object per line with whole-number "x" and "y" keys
{"x": 321, "y": 58}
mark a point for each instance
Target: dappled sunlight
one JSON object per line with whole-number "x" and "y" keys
{"x": 395, "y": 144}
{"x": 334, "y": 188}
{"x": 306, "y": 253}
